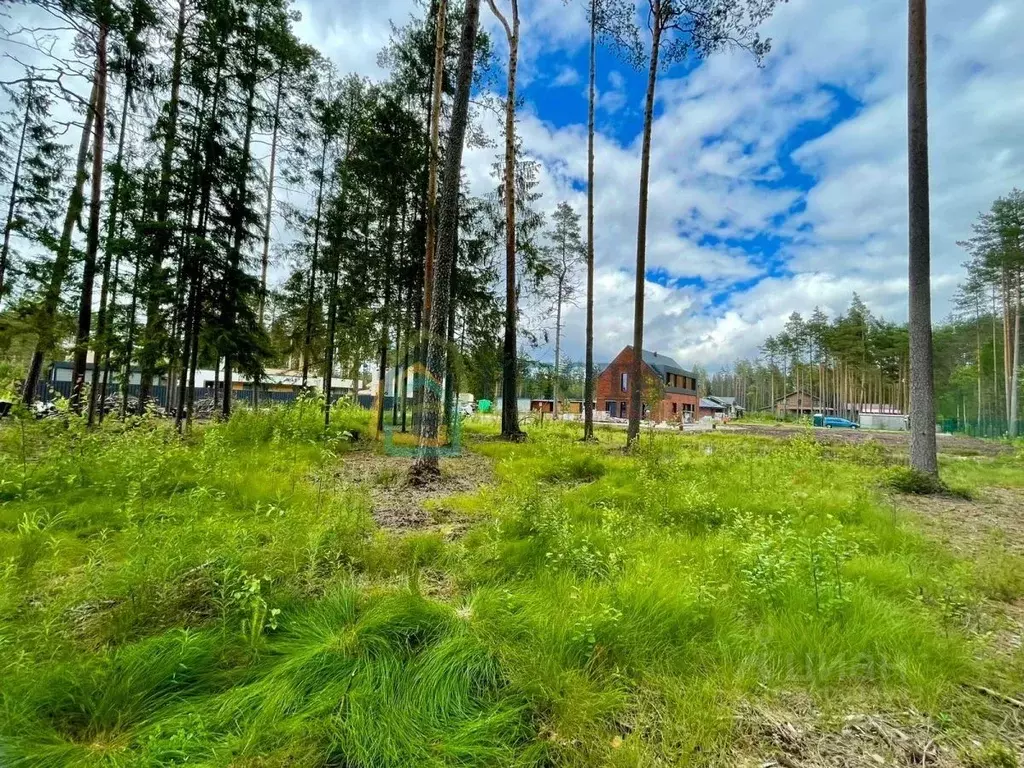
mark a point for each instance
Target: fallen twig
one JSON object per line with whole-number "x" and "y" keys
{"x": 997, "y": 695}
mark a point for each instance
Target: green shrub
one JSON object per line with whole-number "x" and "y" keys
{"x": 993, "y": 754}
{"x": 909, "y": 480}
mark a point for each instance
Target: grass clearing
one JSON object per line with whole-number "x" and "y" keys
{"x": 229, "y": 600}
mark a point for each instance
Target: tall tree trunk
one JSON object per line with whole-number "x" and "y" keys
{"x": 265, "y": 260}
{"x": 1015, "y": 376}
{"x": 450, "y": 392}
{"x": 332, "y": 299}
{"x": 426, "y": 465}
{"x": 102, "y": 341}
{"x": 193, "y": 365}
{"x": 509, "y": 410}
{"x": 384, "y": 341}
{"x": 636, "y": 385}
{"x": 115, "y": 282}
{"x": 189, "y": 341}
{"x": 161, "y": 234}
{"x": 235, "y": 260}
{"x": 977, "y": 339}
{"x": 47, "y": 319}
{"x": 397, "y": 362}
{"x": 558, "y": 349}
{"x": 129, "y": 342}
{"x": 995, "y": 359}
{"x": 92, "y": 240}
{"x": 440, "y": 21}
{"x": 307, "y": 339}
{"x": 588, "y": 382}
{"x": 923, "y": 456}
{"x": 12, "y": 204}
{"x": 1007, "y": 349}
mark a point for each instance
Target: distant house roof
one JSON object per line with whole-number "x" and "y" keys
{"x": 801, "y": 392}
{"x": 711, "y": 405}
{"x": 663, "y": 363}
{"x": 723, "y": 400}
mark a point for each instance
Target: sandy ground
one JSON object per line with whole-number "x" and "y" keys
{"x": 399, "y": 506}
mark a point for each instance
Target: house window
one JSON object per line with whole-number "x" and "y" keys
{"x": 624, "y": 381}
{"x": 675, "y": 408}
{"x": 610, "y": 407}
{"x": 623, "y": 411}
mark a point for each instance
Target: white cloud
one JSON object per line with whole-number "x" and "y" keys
{"x": 566, "y": 76}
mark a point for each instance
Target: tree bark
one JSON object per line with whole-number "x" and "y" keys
{"x": 92, "y": 241}
{"x": 129, "y": 342}
{"x": 102, "y": 341}
{"x": 636, "y": 385}
{"x": 161, "y": 235}
{"x": 265, "y": 260}
{"x": 1015, "y": 376}
{"x": 332, "y": 299}
{"x": 509, "y": 410}
{"x": 307, "y": 339}
{"x": 440, "y": 21}
{"x": 923, "y": 456}
{"x": 558, "y": 349}
{"x": 426, "y": 466}
{"x": 62, "y": 261}
{"x": 588, "y": 382}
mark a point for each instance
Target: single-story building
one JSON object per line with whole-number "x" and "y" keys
{"x": 712, "y": 408}
{"x": 884, "y": 420}
{"x": 732, "y": 409}
{"x": 799, "y": 403}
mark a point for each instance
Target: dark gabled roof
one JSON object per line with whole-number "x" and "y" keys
{"x": 723, "y": 400}
{"x": 711, "y": 405}
{"x": 664, "y": 364}
{"x": 801, "y": 392}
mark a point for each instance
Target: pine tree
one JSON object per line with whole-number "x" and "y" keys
{"x": 679, "y": 31}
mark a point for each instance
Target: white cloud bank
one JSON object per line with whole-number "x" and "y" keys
{"x": 721, "y": 143}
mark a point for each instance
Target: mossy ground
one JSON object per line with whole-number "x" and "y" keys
{"x": 229, "y": 600}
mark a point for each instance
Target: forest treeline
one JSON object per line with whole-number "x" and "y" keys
{"x": 204, "y": 148}
{"x": 857, "y": 358}
{"x": 213, "y": 150}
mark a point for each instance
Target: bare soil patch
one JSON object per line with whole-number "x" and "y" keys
{"x": 991, "y": 523}
{"x": 399, "y": 505}
{"x": 795, "y": 734}
{"x": 968, "y": 526}
{"x": 958, "y": 445}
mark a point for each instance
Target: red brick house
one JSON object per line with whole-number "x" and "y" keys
{"x": 678, "y": 387}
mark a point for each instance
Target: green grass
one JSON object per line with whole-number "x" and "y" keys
{"x": 226, "y": 600}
